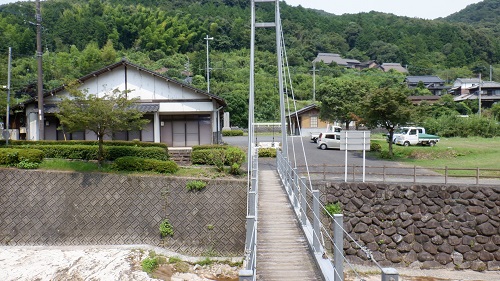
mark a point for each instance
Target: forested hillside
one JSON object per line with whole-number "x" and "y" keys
{"x": 485, "y": 13}
{"x": 82, "y": 36}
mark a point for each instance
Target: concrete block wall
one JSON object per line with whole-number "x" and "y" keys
{"x": 66, "y": 208}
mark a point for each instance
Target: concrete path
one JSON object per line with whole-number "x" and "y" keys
{"x": 282, "y": 250}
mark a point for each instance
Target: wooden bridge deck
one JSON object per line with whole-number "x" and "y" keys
{"x": 282, "y": 250}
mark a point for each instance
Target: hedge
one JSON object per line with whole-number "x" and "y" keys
{"x": 229, "y": 155}
{"x": 131, "y": 163}
{"x": 12, "y": 156}
{"x": 84, "y": 142}
{"x": 89, "y": 152}
{"x": 232, "y": 133}
{"x": 267, "y": 152}
{"x": 210, "y": 146}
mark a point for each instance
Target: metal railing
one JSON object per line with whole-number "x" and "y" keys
{"x": 250, "y": 261}
{"x": 309, "y": 211}
{"x": 411, "y": 174}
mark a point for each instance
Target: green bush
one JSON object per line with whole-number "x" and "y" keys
{"x": 195, "y": 185}
{"x": 114, "y": 152}
{"x": 375, "y": 146}
{"x": 267, "y": 152}
{"x": 166, "y": 228}
{"x": 149, "y": 264}
{"x": 24, "y": 164}
{"x": 138, "y": 164}
{"x": 333, "y": 208}
{"x": 209, "y": 146}
{"x": 13, "y": 156}
{"x": 228, "y": 156}
{"x": 232, "y": 133}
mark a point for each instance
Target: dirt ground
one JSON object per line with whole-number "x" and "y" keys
{"x": 124, "y": 263}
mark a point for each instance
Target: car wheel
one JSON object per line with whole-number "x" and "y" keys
{"x": 406, "y": 143}
{"x": 432, "y": 143}
{"x": 323, "y": 146}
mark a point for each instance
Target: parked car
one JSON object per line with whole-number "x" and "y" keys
{"x": 329, "y": 140}
{"x": 329, "y": 129}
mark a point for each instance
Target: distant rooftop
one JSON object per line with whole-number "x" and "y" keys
{"x": 328, "y": 58}
{"x": 396, "y": 66}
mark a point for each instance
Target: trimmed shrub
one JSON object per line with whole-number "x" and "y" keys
{"x": 12, "y": 156}
{"x": 129, "y": 163}
{"x": 267, "y": 152}
{"x": 232, "y": 133}
{"x": 113, "y": 152}
{"x": 209, "y": 146}
{"x": 164, "y": 167}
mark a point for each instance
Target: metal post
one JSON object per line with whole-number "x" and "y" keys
{"x": 208, "y": 65}
{"x": 316, "y": 228}
{"x": 477, "y": 176}
{"x": 338, "y": 246}
{"x": 479, "y": 94}
{"x": 284, "y": 143}
{"x": 295, "y": 189}
{"x": 414, "y": 173}
{"x": 7, "y": 116}
{"x": 39, "y": 53}
{"x": 303, "y": 201}
{"x": 445, "y": 174}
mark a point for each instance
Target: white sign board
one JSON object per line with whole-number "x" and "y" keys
{"x": 355, "y": 140}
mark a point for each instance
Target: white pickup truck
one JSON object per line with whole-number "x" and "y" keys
{"x": 403, "y": 131}
{"x": 413, "y": 136}
{"x": 329, "y": 129}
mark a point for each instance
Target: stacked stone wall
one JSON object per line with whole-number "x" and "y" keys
{"x": 421, "y": 226}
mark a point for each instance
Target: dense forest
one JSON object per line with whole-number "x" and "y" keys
{"x": 168, "y": 36}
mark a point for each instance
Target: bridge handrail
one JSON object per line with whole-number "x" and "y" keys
{"x": 416, "y": 173}
{"x": 298, "y": 193}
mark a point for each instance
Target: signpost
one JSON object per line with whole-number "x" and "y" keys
{"x": 355, "y": 140}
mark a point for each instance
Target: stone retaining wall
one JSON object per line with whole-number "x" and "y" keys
{"x": 63, "y": 208}
{"x": 421, "y": 226}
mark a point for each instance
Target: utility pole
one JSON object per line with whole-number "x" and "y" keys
{"x": 7, "y": 117}
{"x": 479, "y": 94}
{"x": 41, "y": 129}
{"x": 491, "y": 72}
{"x": 314, "y": 81}
{"x": 208, "y": 65}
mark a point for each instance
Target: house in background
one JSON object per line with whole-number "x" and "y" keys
{"x": 490, "y": 93}
{"x": 386, "y": 67}
{"x": 305, "y": 121}
{"x": 180, "y": 115}
{"x": 461, "y": 86}
{"x": 432, "y": 83}
{"x": 329, "y": 58}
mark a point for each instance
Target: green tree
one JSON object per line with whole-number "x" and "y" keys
{"x": 341, "y": 99}
{"x": 389, "y": 108}
{"x": 104, "y": 115}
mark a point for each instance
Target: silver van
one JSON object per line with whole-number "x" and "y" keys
{"x": 329, "y": 140}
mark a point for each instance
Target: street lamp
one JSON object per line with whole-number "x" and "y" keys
{"x": 208, "y": 65}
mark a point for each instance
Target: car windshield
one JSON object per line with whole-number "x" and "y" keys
{"x": 401, "y": 131}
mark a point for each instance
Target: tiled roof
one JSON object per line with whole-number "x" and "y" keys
{"x": 396, "y": 66}
{"x": 328, "y": 58}
{"x": 425, "y": 79}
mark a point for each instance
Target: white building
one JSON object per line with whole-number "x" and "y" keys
{"x": 180, "y": 115}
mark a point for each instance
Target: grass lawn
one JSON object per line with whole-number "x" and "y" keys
{"x": 91, "y": 166}
{"x": 464, "y": 153}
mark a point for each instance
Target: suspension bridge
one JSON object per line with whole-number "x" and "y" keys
{"x": 285, "y": 237}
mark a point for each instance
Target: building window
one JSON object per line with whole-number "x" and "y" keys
{"x": 314, "y": 122}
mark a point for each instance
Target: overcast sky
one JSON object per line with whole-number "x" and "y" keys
{"x": 426, "y": 9}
